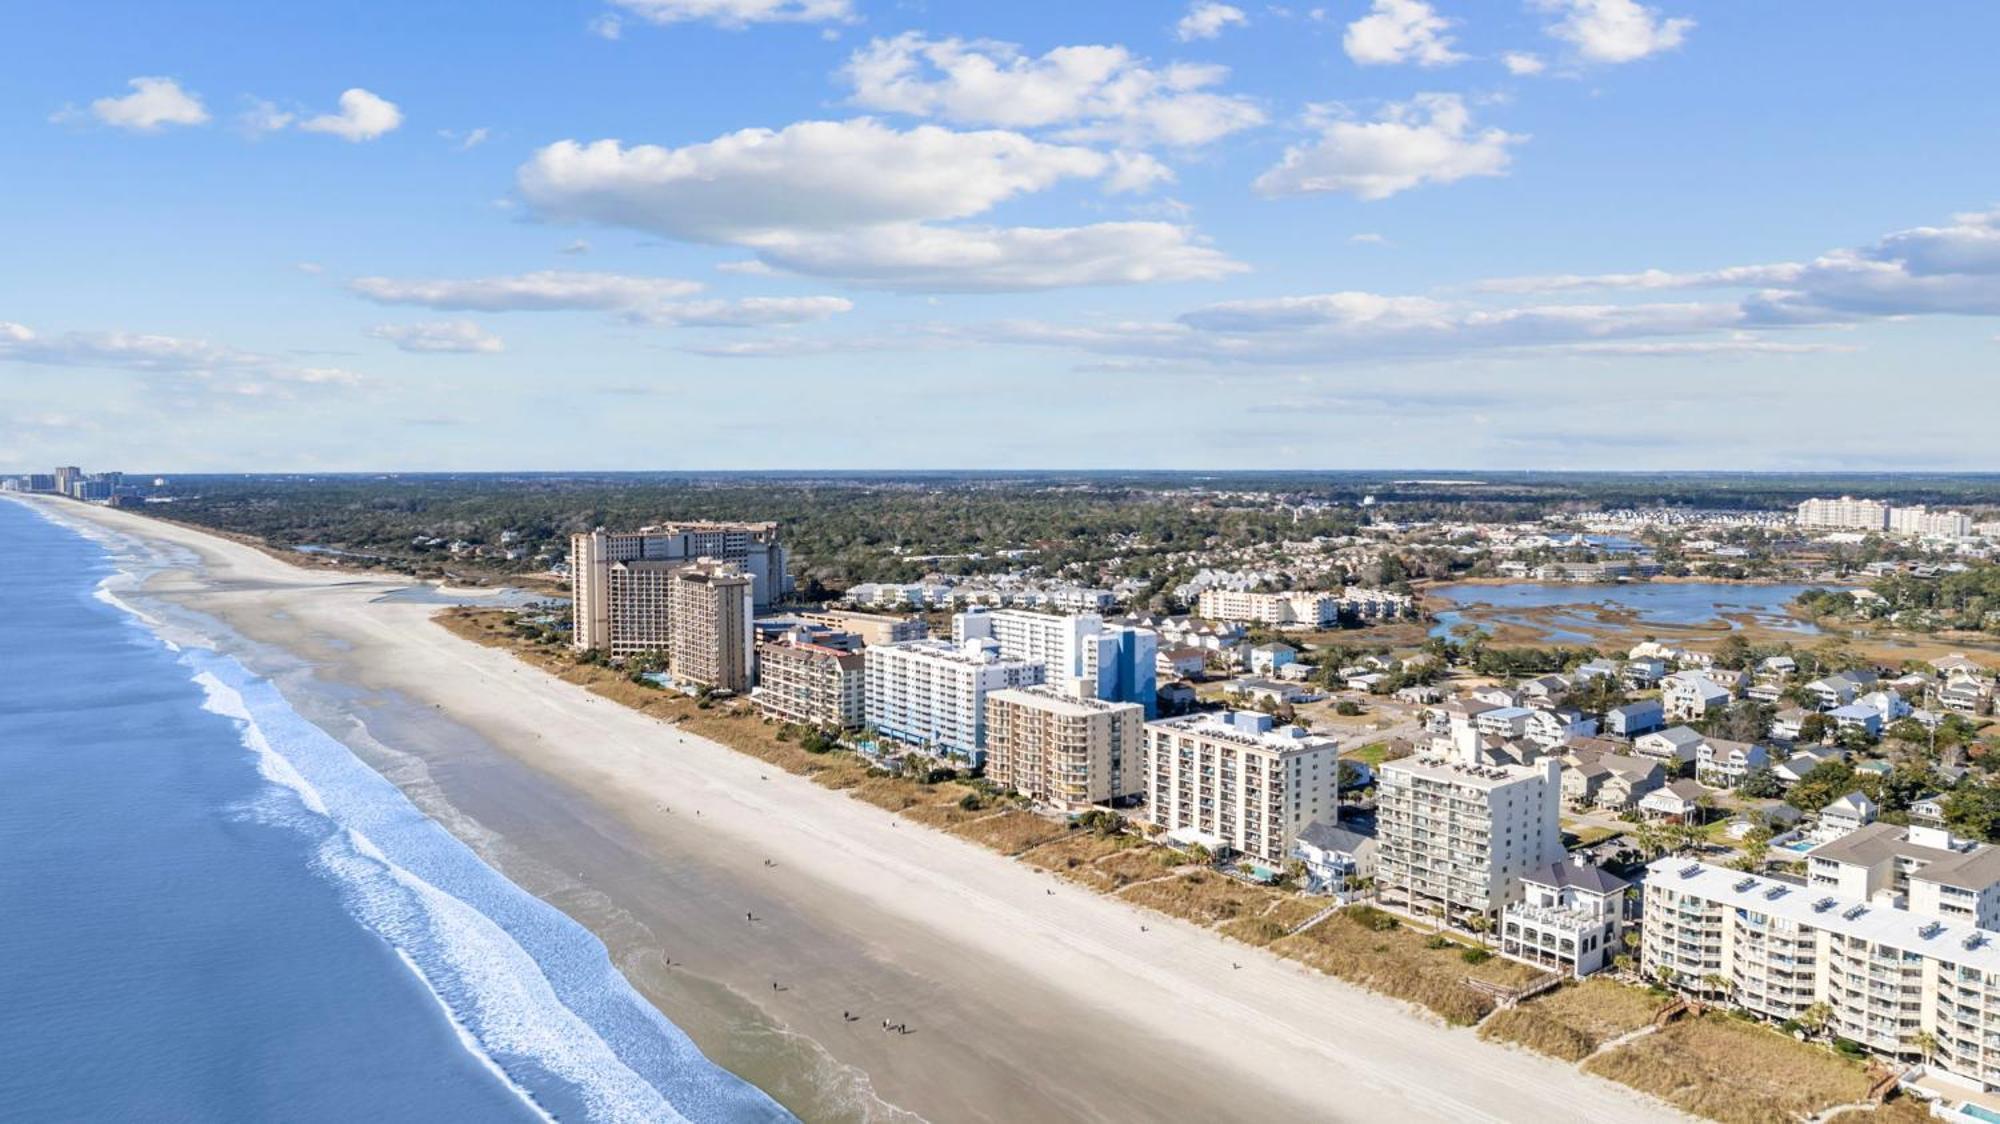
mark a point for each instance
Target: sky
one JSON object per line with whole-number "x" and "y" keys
{"x": 881, "y": 234}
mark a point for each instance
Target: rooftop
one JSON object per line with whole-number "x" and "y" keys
{"x": 1956, "y": 942}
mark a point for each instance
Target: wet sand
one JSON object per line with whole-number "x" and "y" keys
{"x": 1025, "y": 1004}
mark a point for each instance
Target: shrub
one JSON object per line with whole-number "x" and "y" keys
{"x": 1370, "y": 918}
{"x": 1475, "y": 955}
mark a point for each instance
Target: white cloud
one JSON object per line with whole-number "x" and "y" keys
{"x": 460, "y": 336}
{"x": 311, "y": 267}
{"x": 641, "y": 300}
{"x": 468, "y": 140}
{"x": 262, "y": 117}
{"x": 188, "y": 366}
{"x": 1427, "y": 140}
{"x": 924, "y": 258}
{"x": 607, "y": 27}
{"x": 577, "y": 247}
{"x": 1614, "y": 31}
{"x": 1735, "y": 276}
{"x": 363, "y": 116}
{"x": 737, "y": 13}
{"x": 1369, "y": 239}
{"x": 859, "y": 201}
{"x": 1951, "y": 269}
{"x": 1094, "y": 92}
{"x": 1522, "y": 63}
{"x": 548, "y": 290}
{"x": 1206, "y": 19}
{"x": 1399, "y": 31}
{"x": 814, "y": 175}
{"x": 747, "y": 312}
{"x": 152, "y": 104}
{"x": 749, "y": 267}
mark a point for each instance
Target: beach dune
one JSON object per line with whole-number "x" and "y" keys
{"x": 781, "y": 923}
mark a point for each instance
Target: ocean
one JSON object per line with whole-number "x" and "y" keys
{"x": 211, "y": 910}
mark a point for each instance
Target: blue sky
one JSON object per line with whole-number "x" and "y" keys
{"x": 677, "y": 234}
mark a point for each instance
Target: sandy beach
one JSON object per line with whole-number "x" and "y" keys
{"x": 1023, "y": 1004}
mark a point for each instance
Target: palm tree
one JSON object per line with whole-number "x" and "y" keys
{"x": 1925, "y": 1044}
{"x": 1815, "y": 1018}
{"x": 1717, "y": 983}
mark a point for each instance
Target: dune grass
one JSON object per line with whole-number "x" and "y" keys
{"x": 1733, "y": 1070}
{"x": 1573, "y": 1021}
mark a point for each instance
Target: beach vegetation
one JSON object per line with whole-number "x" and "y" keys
{"x": 1735, "y": 1071}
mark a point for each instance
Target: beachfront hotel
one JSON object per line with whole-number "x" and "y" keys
{"x": 619, "y": 578}
{"x": 1118, "y": 662}
{"x": 1235, "y": 782}
{"x": 1864, "y": 941}
{"x": 708, "y": 615}
{"x": 1062, "y": 748}
{"x": 932, "y": 694}
{"x": 811, "y": 684}
{"x": 1458, "y": 835}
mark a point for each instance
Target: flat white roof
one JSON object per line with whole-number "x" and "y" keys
{"x": 1898, "y": 928}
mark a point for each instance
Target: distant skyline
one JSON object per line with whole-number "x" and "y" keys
{"x": 881, "y": 234}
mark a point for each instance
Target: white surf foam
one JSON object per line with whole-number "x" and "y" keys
{"x": 496, "y": 995}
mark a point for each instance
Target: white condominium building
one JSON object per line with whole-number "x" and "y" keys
{"x": 1064, "y": 749}
{"x": 1318, "y": 609}
{"x": 1920, "y": 520}
{"x": 932, "y": 693}
{"x": 1235, "y": 782}
{"x": 601, "y": 600}
{"x": 1844, "y": 514}
{"x": 1117, "y": 663}
{"x": 1457, "y": 836}
{"x": 1890, "y": 976}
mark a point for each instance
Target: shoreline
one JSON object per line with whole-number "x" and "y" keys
{"x": 1026, "y": 1003}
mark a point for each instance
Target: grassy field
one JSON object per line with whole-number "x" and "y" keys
{"x": 1572, "y": 1022}
{"x": 1734, "y": 1071}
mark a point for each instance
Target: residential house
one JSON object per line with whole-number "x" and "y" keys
{"x": 1596, "y": 669}
{"x": 1690, "y": 696}
{"x": 1504, "y": 721}
{"x": 1634, "y": 719}
{"x": 1839, "y": 690}
{"x": 1680, "y": 801}
{"x": 1570, "y": 918}
{"x": 1613, "y": 782}
{"x": 1179, "y": 662}
{"x": 1266, "y": 659}
{"x": 1678, "y": 745}
{"x": 1777, "y": 667}
{"x": 1966, "y": 696}
{"x": 1851, "y": 812}
{"x": 1496, "y": 696}
{"x": 1855, "y": 716}
{"x": 1888, "y": 703}
{"x": 1335, "y": 856}
{"x": 1720, "y": 763}
{"x": 1642, "y": 673}
{"x": 1545, "y": 690}
{"x": 1793, "y": 769}
{"x": 1556, "y": 726}
{"x": 1788, "y": 724}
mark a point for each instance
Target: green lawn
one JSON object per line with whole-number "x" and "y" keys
{"x": 1370, "y": 755}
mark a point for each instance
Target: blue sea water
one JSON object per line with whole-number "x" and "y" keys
{"x": 211, "y": 910}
